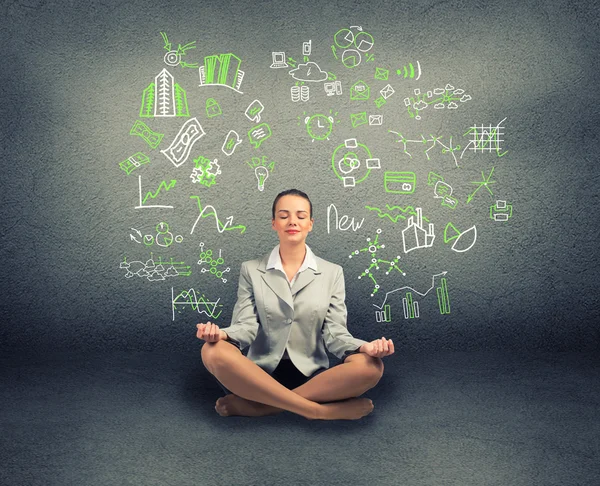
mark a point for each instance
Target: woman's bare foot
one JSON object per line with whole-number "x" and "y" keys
{"x": 231, "y": 404}
{"x": 350, "y": 409}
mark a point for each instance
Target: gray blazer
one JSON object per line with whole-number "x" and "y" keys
{"x": 268, "y": 316}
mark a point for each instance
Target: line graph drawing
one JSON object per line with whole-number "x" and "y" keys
{"x": 406, "y": 287}
{"x": 153, "y": 195}
{"x": 197, "y": 301}
{"x": 208, "y": 211}
{"x": 402, "y": 212}
{"x": 485, "y": 139}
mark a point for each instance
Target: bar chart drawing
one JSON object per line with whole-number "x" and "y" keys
{"x": 442, "y": 296}
{"x": 410, "y": 307}
{"x": 385, "y": 315}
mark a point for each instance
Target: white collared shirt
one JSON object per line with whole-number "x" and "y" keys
{"x": 274, "y": 262}
{"x": 310, "y": 261}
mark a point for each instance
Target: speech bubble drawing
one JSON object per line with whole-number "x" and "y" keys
{"x": 254, "y": 110}
{"x": 232, "y": 140}
{"x": 259, "y": 134}
{"x": 442, "y": 190}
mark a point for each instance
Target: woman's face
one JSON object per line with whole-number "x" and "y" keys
{"x": 292, "y": 219}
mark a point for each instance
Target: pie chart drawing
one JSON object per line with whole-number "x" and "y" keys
{"x": 364, "y": 41}
{"x": 463, "y": 241}
{"x": 351, "y": 58}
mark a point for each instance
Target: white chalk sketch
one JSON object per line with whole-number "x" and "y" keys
{"x": 415, "y": 236}
{"x": 278, "y": 60}
{"x": 446, "y": 148}
{"x": 501, "y": 211}
{"x": 300, "y": 93}
{"x": 181, "y": 146}
{"x": 485, "y": 139}
{"x": 309, "y": 73}
{"x": 164, "y": 98}
{"x": 208, "y": 211}
{"x": 154, "y": 270}
{"x": 152, "y": 195}
{"x": 222, "y": 70}
{"x": 333, "y": 88}
{"x": 214, "y": 264}
{"x": 463, "y": 240}
{"x": 346, "y": 162}
{"x": 197, "y": 301}
{"x": 163, "y": 236}
{"x": 254, "y": 110}
{"x": 342, "y": 224}
{"x": 232, "y": 140}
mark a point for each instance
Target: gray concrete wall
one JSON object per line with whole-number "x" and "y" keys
{"x": 72, "y": 84}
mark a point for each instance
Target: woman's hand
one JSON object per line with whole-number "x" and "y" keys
{"x": 209, "y": 332}
{"x": 378, "y": 348}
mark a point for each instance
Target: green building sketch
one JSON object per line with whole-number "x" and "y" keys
{"x": 164, "y": 98}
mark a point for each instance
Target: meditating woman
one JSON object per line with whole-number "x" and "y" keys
{"x": 290, "y": 307}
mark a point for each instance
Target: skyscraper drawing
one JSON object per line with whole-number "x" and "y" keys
{"x": 164, "y": 97}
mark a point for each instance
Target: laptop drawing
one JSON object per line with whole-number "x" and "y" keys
{"x": 279, "y": 60}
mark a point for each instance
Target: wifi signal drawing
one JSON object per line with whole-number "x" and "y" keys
{"x": 409, "y": 71}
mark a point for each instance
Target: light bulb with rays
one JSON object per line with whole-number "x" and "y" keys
{"x": 261, "y": 173}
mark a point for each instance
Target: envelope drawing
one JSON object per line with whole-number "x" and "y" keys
{"x": 375, "y": 119}
{"x": 387, "y": 91}
{"x": 358, "y": 119}
{"x": 381, "y": 74}
{"x": 379, "y": 102}
{"x": 360, "y": 91}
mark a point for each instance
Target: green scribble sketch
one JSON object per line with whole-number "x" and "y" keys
{"x": 205, "y": 171}
{"x": 136, "y": 160}
{"x": 402, "y": 213}
{"x": 207, "y": 211}
{"x": 163, "y": 187}
{"x": 382, "y": 74}
{"x": 358, "y": 119}
{"x": 212, "y": 108}
{"x": 214, "y": 264}
{"x": 485, "y": 139}
{"x": 222, "y": 70}
{"x": 440, "y": 98}
{"x": 385, "y": 315}
{"x": 372, "y": 248}
{"x": 262, "y": 168}
{"x": 442, "y": 190}
{"x": 197, "y": 301}
{"x": 319, "y": 126}
{"x": 163, "y": 236}
{"x": 155, "y": 270}
{"x": 501, "y": 211}
{"x": 409, "y": 71}
{"x": 164, "y": 98}
{"x": 400, "y": 182}
{"x": 173, "y": 57}
{"x": 258, "y": 134}
{"x": 410, "y": 307}
{"x": 442, "y": 296}
{"x": 360, "y": 91}
{"x": 354, "y": 42}
{"x": 485, "y": 182}
{"x": 461, "y": 240}
{"x": 379, "y": 102}
{"x": 433, "y": 140}
{"x": 149, "y": 136}
{"x": 415, "y": 235}
{"x": 352, "y": 162}
{"x": 292, "y": 62}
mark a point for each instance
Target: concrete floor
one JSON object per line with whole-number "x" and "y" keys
{"x": 445, "y": 418}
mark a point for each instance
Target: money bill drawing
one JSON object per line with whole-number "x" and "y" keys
{"x": 180, "y": 148}
{"x": 149, "y": 136}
